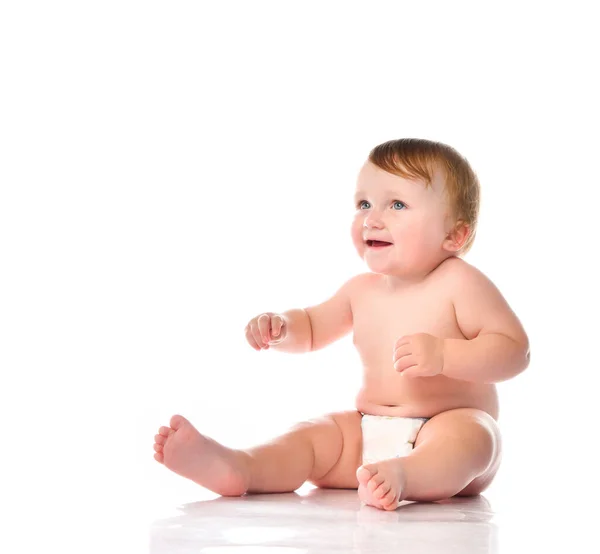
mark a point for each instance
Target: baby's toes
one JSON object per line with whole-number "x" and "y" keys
{"x": 159, "y": 457}
{"x": 158, "y": 447}
{"x": 375, "y": 481}
{"x": 160, "y": 439}
{"x": 363, "y": 475}
{"x": 165, "y": 431}
{"x": 390, "y": 500}
{"x": 382, "y": 491}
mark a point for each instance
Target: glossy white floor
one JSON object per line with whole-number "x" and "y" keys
{"x": 318, "y": 521}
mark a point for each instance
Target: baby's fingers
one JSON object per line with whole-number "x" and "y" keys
{"x": 250, "y": 338}
{"x": 404, "y": 363}
{"x": 264, "y": 328}
{"x": 276, "y": 324}
{"x": 404, "y": 350}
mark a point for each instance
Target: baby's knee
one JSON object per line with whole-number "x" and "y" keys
{"x": 338, "y": 451}
{"x": 484, "y": 436}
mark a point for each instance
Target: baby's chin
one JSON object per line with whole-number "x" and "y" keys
{"x": 393, "y": 265}
{"x": 385, "y": 268}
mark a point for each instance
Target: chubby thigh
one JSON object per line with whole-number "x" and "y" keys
{"x": 479, "y": 439}
{"x": 337, "y": 444}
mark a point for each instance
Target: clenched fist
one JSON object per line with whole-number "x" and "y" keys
{"x": 419, "y": 355}
{"x": 266, "y": 329}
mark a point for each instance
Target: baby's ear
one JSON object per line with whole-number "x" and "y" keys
{"x": 457, "y": 237}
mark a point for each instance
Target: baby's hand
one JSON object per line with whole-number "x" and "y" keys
{"x": 265, "y": 329}
{"x": 419, "y": 355}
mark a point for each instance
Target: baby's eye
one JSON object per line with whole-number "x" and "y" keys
{"x": 402, "y": 204}
{"x": 360, "y": 203}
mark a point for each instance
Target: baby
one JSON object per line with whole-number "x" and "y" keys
{"x": 434, "y": 336}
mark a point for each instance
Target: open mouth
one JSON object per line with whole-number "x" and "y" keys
{"x": 378, "y": 243}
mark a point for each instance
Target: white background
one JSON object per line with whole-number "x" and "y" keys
{"x": 169, "y": 170}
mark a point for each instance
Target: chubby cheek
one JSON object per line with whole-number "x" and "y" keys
{"x": 357, "y": 236}
{"x": 417, "y": 242}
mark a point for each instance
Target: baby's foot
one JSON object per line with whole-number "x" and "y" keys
{"x": 185, "y": 451}
{"x": 381, "y": 484}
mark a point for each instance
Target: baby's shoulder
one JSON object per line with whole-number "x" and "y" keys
{"x": 363, "y": 280}
{"x": 358, "y": 284}
{"x": 456, "y": 274}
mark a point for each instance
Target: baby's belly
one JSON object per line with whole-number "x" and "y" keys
{"x": 424, "y": 396}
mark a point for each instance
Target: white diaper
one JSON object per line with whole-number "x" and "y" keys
{"x": 388, "y": 437}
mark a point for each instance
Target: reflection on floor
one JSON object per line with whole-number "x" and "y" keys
{"x": 315, "y": 520}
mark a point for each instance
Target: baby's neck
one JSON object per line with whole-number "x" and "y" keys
{"x": 399, "y": 282}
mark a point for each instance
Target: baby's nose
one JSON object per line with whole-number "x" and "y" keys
{"x": 373, "y": 221}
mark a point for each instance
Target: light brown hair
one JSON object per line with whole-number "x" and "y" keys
{"x": 418, "y": 158}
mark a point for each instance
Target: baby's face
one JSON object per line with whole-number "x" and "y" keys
{"x": 405, "y": 213}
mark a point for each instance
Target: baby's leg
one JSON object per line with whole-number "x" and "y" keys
{"x": 457, "y": 452}
{"x": 319, "y": 450}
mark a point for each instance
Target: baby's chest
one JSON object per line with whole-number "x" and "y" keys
{"x": 379, "y": 320}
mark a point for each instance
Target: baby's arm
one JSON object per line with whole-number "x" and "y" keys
{"x": 317, "y": 326}
{"x": 497, "y": 347}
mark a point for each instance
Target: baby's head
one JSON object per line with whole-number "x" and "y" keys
{"x": 420, "y": 196}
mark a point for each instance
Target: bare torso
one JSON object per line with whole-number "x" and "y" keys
{"x": 380, "y": 318}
